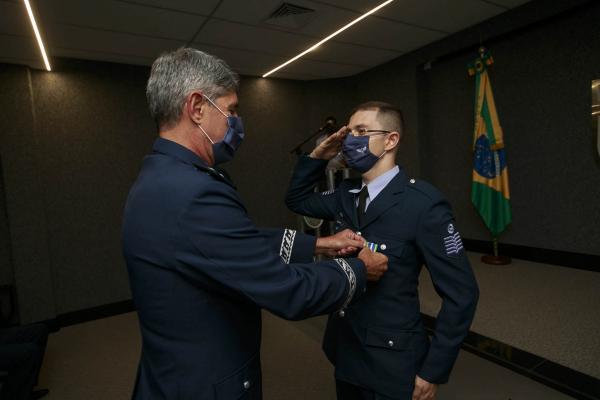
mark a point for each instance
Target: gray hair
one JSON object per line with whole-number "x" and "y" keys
{"x": 174, "y": 75}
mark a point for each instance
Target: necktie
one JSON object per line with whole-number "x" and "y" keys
{"x": 362, "y": 204}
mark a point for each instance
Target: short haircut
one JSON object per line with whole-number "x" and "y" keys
{"x": 174, "y": 75}
{"x": 388, "y": 115}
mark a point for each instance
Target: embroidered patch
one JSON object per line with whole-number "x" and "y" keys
{"x": 287, "y": 244}
{"x": 450, "y": 229}
{"x": 351, "y": 279}
{"x": 452, "y": 243}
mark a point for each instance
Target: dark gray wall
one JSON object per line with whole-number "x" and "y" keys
{"x": 334, "y": 97}
{"x": 24, "y": 195}
{"x": 71, "y": 145}
{"x": 545, "y": 62}
{"x": 6, "y": 270}
{"x": 274, "y": 124}
{"x": 541, "y": 83}
{"x": 93, "y": 129}
{"x": 72, "y": 142}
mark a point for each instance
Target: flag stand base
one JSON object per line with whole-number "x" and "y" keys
{"x": 495, "y": 260}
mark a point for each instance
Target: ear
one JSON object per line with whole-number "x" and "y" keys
{"x": 195, "y": 106}
{"x": 392, "y": 140}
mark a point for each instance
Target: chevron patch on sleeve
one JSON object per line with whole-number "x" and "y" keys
{"x": 453, "y": 245}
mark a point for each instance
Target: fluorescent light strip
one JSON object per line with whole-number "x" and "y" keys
{"x": 311, "y": 48}
{"x": 37, "y": 34}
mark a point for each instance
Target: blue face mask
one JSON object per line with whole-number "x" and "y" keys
{"x": 357, "y": 154}
{"x": 224, "y": 150}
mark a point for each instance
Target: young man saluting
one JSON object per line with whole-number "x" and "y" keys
{"x": 378, "y": 345}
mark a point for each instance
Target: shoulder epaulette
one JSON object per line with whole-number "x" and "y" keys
{"x": 424, "y": 188}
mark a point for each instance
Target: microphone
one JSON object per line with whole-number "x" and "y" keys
{"x": 329, "y": 125}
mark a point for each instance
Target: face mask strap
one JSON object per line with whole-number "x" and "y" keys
{"x": 216, "y": 106}
{"x": 385, "y": 151}
{"x": 205, "y": 134}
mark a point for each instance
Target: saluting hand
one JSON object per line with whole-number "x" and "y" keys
{"x": 331, "y": 146}
{"x": 343, "y": 243}
{"x": 424, "y": 390}
{"x": 376, "y": 263}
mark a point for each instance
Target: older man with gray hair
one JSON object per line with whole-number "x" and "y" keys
{"x": 200, "y": 271}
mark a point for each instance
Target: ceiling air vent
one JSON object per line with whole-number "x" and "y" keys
{"x": 290, "y": 16}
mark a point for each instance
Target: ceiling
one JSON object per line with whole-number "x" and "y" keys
{"x": 137, "y": 31}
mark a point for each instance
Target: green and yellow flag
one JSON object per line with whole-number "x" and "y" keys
{"x": 489, "y": 192}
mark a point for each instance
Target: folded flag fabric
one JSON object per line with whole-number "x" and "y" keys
{"x": 489, "y": 190}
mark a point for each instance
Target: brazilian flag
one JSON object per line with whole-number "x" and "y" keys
{"x": 489, "y": 192}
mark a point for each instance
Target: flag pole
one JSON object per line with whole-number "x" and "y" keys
{"x": 490, "y": 193}
{"x": 495, "y": 259}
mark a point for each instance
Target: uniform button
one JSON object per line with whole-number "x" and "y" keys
{"x": 391, "y": 343}
{"x": 247, "y": 385}
{"x": 412, "y": 181}
{"x": 383, "y": 246}
{"x": 342, "y": 313}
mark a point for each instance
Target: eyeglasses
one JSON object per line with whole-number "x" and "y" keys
{"x": 367, "y": 132}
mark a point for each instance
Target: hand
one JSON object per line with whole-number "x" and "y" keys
{"x": 376, "y": 263}
{"x": 331, "y": 146}
{"x": 341, "y": 244}
{"x": 424, "y": 390}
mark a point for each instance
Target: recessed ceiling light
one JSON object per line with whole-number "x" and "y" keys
{"x": 37, "y": 34}
{"x": 314, "y": 46}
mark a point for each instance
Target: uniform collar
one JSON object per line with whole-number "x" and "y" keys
{"x": 170, "y": 148}
{"x": 379, "y": 183}
{"x": 387, "y": 198}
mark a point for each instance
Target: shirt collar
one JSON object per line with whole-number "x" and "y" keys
{"x": 378, "y": 184}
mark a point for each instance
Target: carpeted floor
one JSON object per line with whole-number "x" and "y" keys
{"x": 97, "y": 361}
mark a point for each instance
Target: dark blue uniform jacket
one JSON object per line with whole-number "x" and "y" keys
{"x": 379, "y": 342}
{"x": 200, "y": 271}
